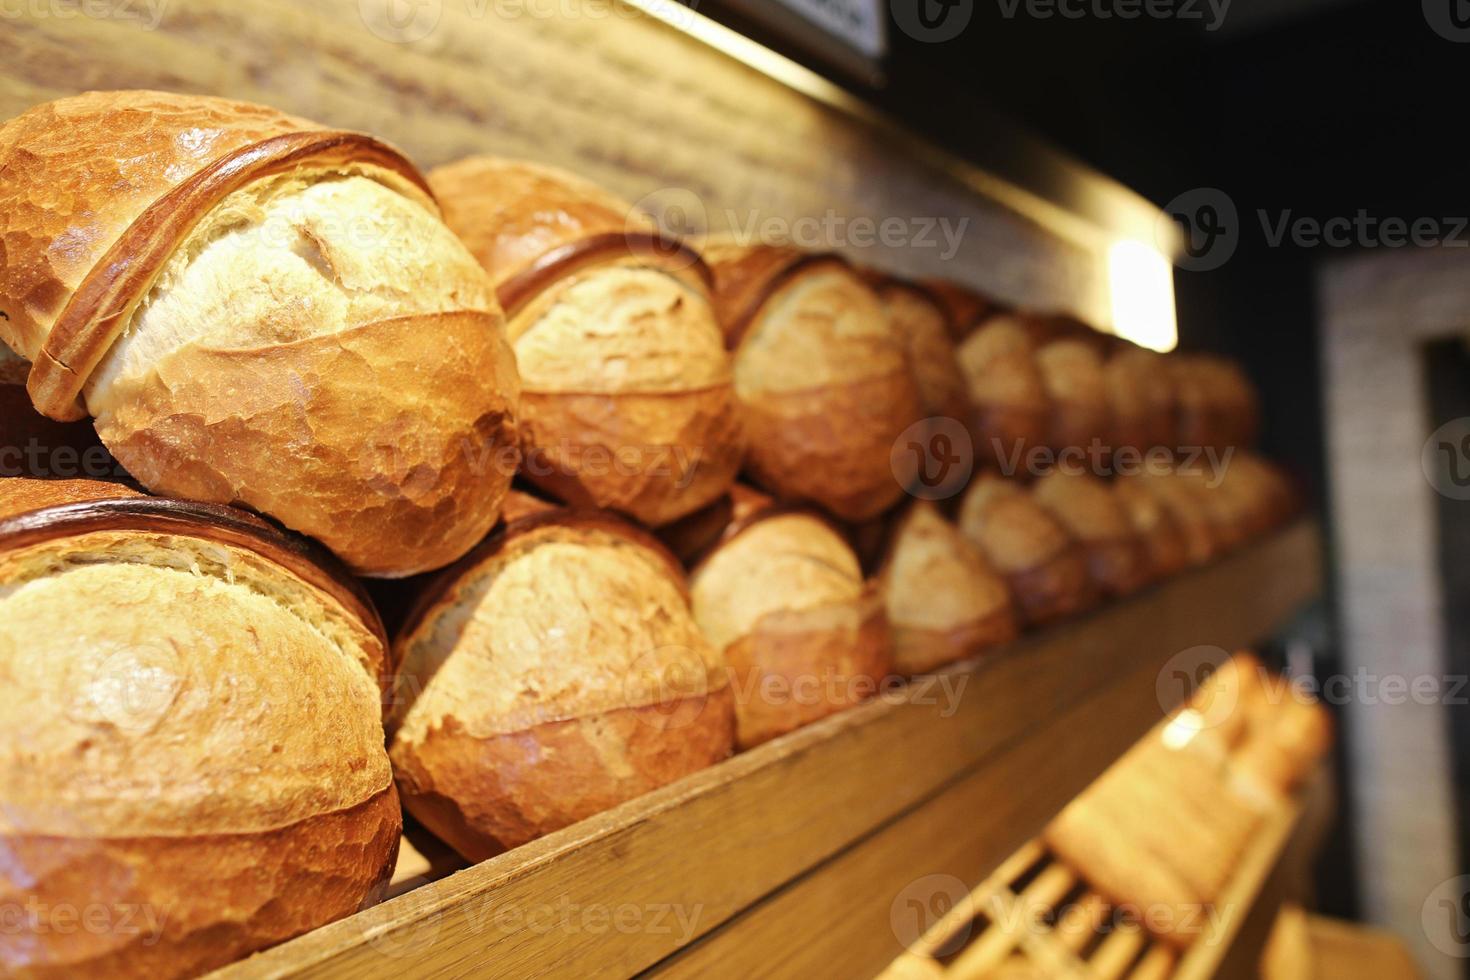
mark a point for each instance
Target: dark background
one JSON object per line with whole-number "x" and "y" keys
{"x": 1322, "y": 107}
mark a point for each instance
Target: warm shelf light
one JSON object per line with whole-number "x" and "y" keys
{"x": 1142, "y": 282}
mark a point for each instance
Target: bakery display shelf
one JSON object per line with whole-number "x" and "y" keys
{"x": 1036, "y": 915}
{"x": 786, "y": 860}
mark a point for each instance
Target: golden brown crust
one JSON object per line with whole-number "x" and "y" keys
{"x": 1218, "y": 406}
{"x": 917, "y": 650}
{"x": 1072, "y": 372}
{"x": 654, "y": 457}
{"x": 1157, "y": 528}
{"x": 1184, "y": 505}
{"x": 21, "y": 495}
{"x": 1044, "y": 565}
{"x": 922, "y": 324}
{"x": 1090, "y": 511}
{"x": 831, "y": 445}
{"x": 103, "y": 304}
{"x": 1141, "y": 399}
{"x": 34, "y": 512}
{"x": 965, "y": 308}
{"x": 745, "y": 276}
{"x": 486, "y": 795}
{"x": 796, "y": 667}
{"x": 944, "y": 601}
{"x": 510, "y": 213}
{"x": 82, "y": 169}
{"x": 393, "y": 485}
{"x": 1012, "y": 409}
{"x": 554, "y": 672}
{"x": 193, "y": 903}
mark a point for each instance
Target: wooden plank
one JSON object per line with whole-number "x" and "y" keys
{"x": 622, "y": 891}
{"x": 845, "y": 906}
{"x": 604, "y": 90}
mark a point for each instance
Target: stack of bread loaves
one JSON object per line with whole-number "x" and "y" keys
{"x": 287, "y": 333}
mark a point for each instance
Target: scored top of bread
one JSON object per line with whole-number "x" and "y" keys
{"x": 122, "y": 179}
{"x": 204, "y": 654}
{"x": 559, "y": 616}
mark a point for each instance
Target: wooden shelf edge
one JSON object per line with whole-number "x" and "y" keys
{"x": 709, "y": 848}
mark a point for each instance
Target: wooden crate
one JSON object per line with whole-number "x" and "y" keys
{"x": 1038, "y": 916}
{"x": 789, "y": 860}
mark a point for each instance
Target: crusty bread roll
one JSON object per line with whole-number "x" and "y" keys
{"x": 552, "y": 673}
{"x": 922, "y": 323}
{"x": 820, "y": 372}
{"x": 1141, "y": 399}
{"x": 1043, "y": 564}
{"x": 1096, "y": 518}
{"x": 944, "y": 601}
{"x": 1256, "y": 492}
{"x": 1218, "y": 405}
{"x": 192, "y": 731}
{"x": 1185, "y": 503}
{"x": 1072, "y": 372}
{"x": 259, "y": 310}
{"x": 1163, "y": 540}
{"x": 1008, "y": 395}
{"x": 627, "y": 399}
{"x": 783, "y": 597}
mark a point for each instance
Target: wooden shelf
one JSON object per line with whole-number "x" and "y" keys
{"x": 785, "y": 861}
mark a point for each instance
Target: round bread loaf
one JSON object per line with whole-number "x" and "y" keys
{"x": 1096, "y": 518}
{"x": 1008, "y": 395}
{"x": 1164, "y": 542}
{"x": 191, "y": 746}
{"x": 259, "y": 310}
{"x": 553, "y": 673}
{"x": 1041, "y": 561}
{"x": 1072, "y": 372}
{"x": 922, "y": 324}
{"x": 1141, "y": 399}
{"x": 1257, "y": 492}
{"x": 1218, "y": 405}
{"x": 1185, "y": 504}
{"x": 783, "y": 597}
{"x": 821, "y": 375}
{"x": 944, "y": 601}
{"x": 628, "y": 400}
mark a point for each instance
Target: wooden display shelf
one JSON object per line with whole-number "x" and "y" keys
{"x": 785, "y": 860}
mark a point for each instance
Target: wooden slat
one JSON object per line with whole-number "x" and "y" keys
{"x": 1029, "y": 728}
